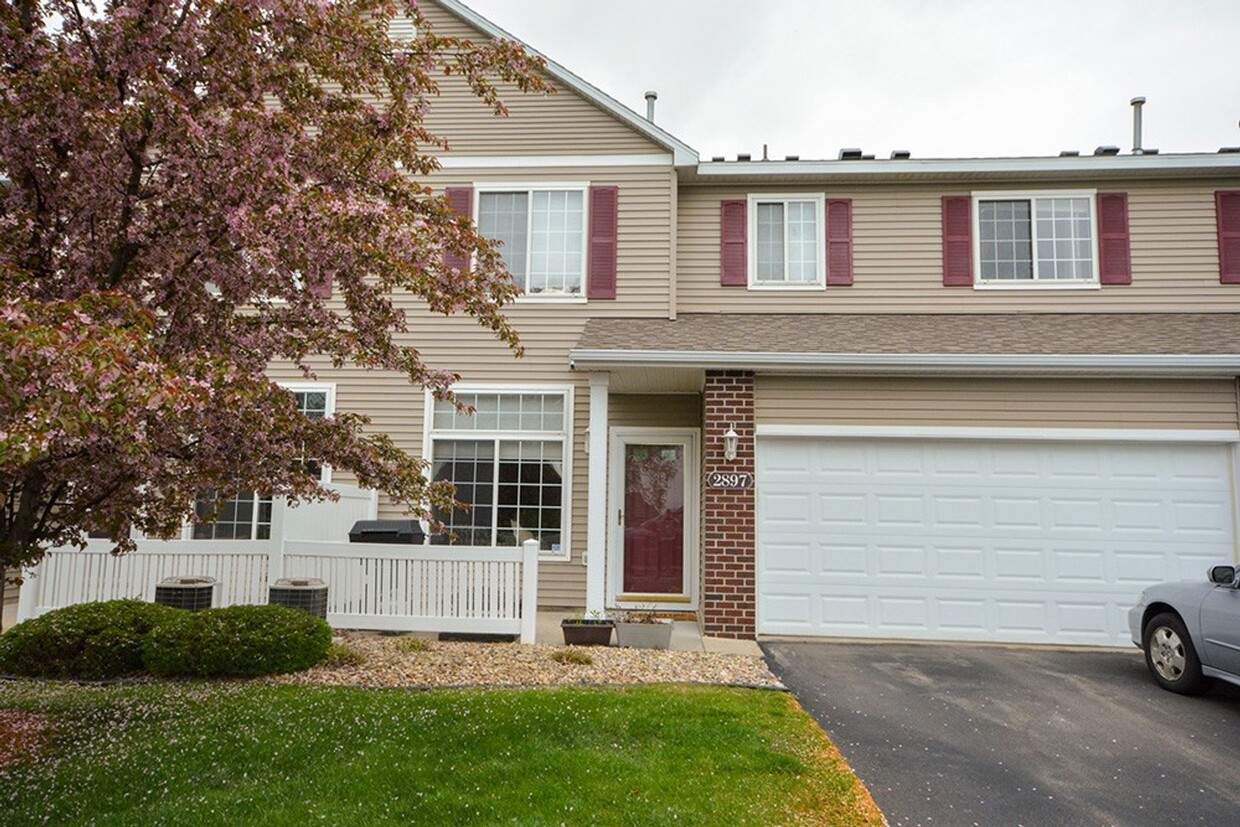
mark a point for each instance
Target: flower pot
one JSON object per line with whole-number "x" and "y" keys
{"x": 657, "y": 635}
{"x": 587, "y": 632}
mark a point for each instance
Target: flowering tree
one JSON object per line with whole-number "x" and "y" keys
{"x": 191, "y": 190}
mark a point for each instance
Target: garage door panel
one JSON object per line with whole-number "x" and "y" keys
{"x": 1047, "y": 542}
{"x": 840, "y": 509}
{"x": 1200, "y": 517}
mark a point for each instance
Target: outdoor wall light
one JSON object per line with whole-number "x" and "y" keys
{"x": 730, "y": 442}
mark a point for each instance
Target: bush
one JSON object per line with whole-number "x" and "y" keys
{"x": 341, "y": 655}
{"x": 92, "y": 641}
{"x": 238, "y": 641}
{"x": 573, "y": 656}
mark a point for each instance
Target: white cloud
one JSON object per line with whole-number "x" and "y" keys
{"x": 960, "y": 78}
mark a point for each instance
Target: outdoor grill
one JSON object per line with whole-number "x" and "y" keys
{"x": 405, "y": 532}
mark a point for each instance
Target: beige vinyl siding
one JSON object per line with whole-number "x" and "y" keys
{"x": 997, "y": 403}
{"x": 560, "y": 123}
{"x": 547, "y": 329}
{"x": 397, "y": 409}
{"x": 683, "y": 410}
{"x": 898, "y": 256}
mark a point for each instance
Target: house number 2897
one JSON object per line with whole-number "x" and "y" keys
{"x": 729, "y": 479}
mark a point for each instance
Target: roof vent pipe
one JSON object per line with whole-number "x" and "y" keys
{"x": 651, "y": 97}
{"x": 1137, "y": 103}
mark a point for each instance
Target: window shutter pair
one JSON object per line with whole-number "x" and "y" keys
{"x": 600, "y": 276}
{"x": 1115, "y": 260}
{"x": 734, "y": 242}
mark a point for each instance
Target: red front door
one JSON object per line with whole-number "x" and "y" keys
{"x": 654, "y": 519}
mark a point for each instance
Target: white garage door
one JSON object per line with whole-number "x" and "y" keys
{"x": 1029, "y": 542}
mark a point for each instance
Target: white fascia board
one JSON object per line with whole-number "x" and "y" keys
{"x": 685, "y": 155}
{"x": 1220, "y": 366}
{"x": 456, "y": 161}
{"x": 1021, "y": 434}
{"x": 1188, "y": 162}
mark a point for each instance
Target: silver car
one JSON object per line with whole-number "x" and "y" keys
{"x": 1190, "y": 631}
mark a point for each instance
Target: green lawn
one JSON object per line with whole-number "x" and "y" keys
{"x": 191, "y": 754}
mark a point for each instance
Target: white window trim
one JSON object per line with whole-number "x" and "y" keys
{"x": 820, "y": 215}
{"x": 545, "y": 186}
{"x": 317, "y": 387}
{"x": 187, "y": 530}
{"x": 566, "y": 478}
{"x": 978, "y": 196}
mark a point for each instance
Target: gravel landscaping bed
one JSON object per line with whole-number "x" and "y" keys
{"x": 395, "y": 661}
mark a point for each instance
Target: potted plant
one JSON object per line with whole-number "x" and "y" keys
{"x": 594, "y": 630}
{"x": 643, "y": 629}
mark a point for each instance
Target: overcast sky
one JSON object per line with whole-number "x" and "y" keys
{"x": 953, "y": 78}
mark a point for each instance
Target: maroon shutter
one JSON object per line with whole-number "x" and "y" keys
{"x": 957, "y": 241}
{"x": 1114, "y": 256}
{"x": 839, "y": 242}
{"x": 461, "y": 199}
{"x": 1227, "y": 211}
{"x": 734, "y": 247}
{"x": 601, "y": 279}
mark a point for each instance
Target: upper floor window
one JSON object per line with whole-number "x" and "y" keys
{"x": 543, "y": 235}
{"x": 1040, "y": 239}
{"x": 788, "y": 248}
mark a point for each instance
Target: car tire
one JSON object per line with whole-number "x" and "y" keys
{"x": 1170, "y": 655}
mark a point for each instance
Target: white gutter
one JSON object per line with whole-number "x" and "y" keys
{"x": 1215, "y": 365}
{"x": 685, "y": 155}
{"x": 1203, "y": 162}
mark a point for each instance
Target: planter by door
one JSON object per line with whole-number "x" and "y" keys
{"x": 656, "y": 635}
{"x": 587, "y": 632}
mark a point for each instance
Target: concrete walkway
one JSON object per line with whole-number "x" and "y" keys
{"x": 686, "y": 636}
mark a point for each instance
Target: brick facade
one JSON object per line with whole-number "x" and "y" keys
{"x": 729, "y": 587}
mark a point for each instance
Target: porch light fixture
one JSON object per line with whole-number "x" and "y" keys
{"x": 731, "y": 440}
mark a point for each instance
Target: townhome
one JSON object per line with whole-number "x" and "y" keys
{"x": 963, "y": 399}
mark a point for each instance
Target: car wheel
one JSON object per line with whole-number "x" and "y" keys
{"x": 1170, "y": 655}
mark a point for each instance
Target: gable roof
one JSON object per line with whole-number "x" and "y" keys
{"x": 683, "y": 155}
{"x": 1184, "y": 344}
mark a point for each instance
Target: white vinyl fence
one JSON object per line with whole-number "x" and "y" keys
{"x": 482, "y": 589}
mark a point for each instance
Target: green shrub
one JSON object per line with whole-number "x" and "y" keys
{"x": 410, "y": 644}
{"x": 570, "y": 655}
{"x": 93, "y": 641}
{"x": 342, "y": 655}
{"x": 238, "y": 641}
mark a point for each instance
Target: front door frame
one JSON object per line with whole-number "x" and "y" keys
{"x": 690, "y": 440}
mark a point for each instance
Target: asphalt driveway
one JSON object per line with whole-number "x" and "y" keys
{"x": 961, "y": 735}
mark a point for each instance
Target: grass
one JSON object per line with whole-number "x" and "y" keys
{"x": 572, "y": 655}
{"x": 233, "y": 753}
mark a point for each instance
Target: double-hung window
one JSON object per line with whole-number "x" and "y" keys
{"x": 543, "y": 235}
{"x": 246, "y": 515}
{"x": 1036, "y": 239}
{"x": 788, "y": 245}
{"x": 509, "y": 461}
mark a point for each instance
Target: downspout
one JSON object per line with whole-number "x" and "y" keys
{"x": 673, "y": 242}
